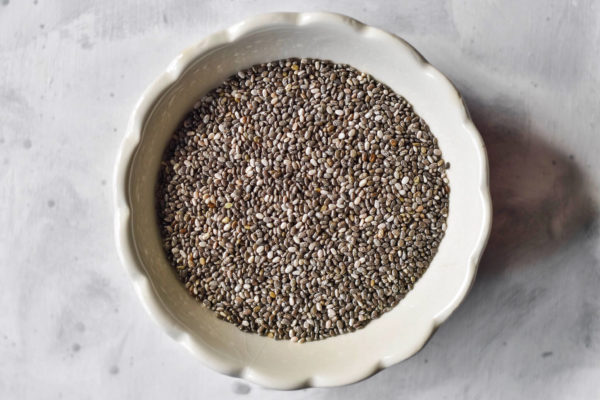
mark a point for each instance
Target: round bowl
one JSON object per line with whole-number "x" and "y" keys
{"x": 393, "y": 337}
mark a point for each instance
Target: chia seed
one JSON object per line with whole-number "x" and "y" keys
{"x": 301, "y": 199}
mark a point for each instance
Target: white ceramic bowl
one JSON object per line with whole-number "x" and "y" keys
{"x": 399, "y": 333}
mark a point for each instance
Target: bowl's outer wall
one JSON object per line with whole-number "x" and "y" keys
{"x": 397, "y": 334}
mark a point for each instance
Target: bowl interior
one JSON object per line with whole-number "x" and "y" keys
{"x": 398, "y": 333}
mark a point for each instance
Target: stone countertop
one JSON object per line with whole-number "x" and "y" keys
{"x": 71, "y": 325}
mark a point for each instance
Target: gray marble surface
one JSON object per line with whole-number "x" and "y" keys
{"x": 71, "y": 325}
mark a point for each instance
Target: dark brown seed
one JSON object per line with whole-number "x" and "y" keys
{"x": 301, "y": 199}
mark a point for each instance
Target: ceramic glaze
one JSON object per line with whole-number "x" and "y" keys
{"x": 344, "y": 359}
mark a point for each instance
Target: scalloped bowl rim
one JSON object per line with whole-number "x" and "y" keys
{"x": 125, "y": 241}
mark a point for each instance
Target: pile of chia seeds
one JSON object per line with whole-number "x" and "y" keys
{"x": 302, "y": 199}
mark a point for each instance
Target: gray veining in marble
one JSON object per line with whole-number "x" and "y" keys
{"x": 71, "y": 325}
